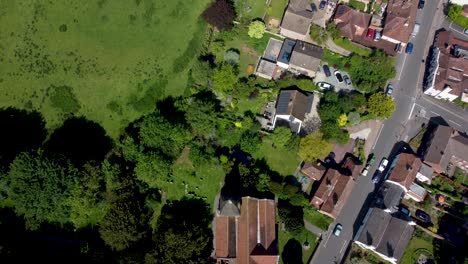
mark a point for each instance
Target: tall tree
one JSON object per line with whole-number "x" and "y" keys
{"x": 225, "y": 77}
{"x": 281, "y": 136}
{"x": 40, "y": 187}
{"x": 314, "y": 147}
{"x": 381, "y": 105}
{"x": 256, "y": 29}
{"x": 201, "y": 116}
{"x": 152, "y": 168}
{"x": 220, "y": 14}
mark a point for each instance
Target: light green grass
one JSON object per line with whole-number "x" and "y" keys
{"x": 417, "y": 246}
{"x": 111, "y": 52}
{"x": 357, "y": 5}
{"x": 314, "y": 217}
{"x": 250, "y": 9}
{"x": 276, "y": 8}
{"x": 279, "y": 159}
{"x": 345, "y": 43}
{"x": 283, "y": 238}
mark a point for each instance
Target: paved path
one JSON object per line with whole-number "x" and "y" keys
{"x": 314, "y": 229}
{"x": 335, "y": 48}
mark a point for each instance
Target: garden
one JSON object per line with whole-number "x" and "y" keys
{"x": 420, "y": 244}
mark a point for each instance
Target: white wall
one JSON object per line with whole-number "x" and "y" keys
{"x": 459, "y": 2}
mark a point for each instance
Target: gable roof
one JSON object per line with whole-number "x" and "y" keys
{"x": 314, "y": 171}
{"x": 225, "y": 237}
{"x": 405, "y": 170}
{"x": 436, "y": 149}
{"x": 388, "y": 196}
{"x": 306, "y": 55}
{"x": 351, "y": 22}
{"x": 400, "y": 19}
{"x": 286, "y": 50}
{"x": 297, "y": 17}
{"x": 294, "y": 102}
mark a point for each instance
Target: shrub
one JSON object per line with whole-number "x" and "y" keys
{"x": 256, "y": 29}
{"x": 454, "y": 13}
{"x": 63, "y": 98}
{"x": 232, "y": 56}
{"x": 354, "y": 118}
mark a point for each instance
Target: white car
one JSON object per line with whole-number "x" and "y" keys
{"x": 365, "y": 171}
{"x": 325, "y": 86}
{"x": 383, "y": 165}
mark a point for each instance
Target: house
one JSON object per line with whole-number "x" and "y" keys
{"x": 314, "y": 170}
{"x": 425, "y": 174}
{"x": 305, "y": 58}
{"x": 385, "y": 233}
{"x": 285, "y": 53}
{"x": 399, "y": 21}
{"x": 335, "y": 187}
{"x": 403, "y": 174}
{"x": 448, "y": 78}
{"x": 296, "y": 20}
{"x": 293, "y": 107}
{"x": 445, "y": 146}
{"x": 465, "y": 10}
{"x": 247, "y": 235}
{"x": 459, "y": 2}
{"x": 267, "y": 67}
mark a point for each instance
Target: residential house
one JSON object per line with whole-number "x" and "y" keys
{"x": 313, "y": 170}
{"x": 465, "y": 10}
{"x": 425, "y": 174}
{"x": 296, "y": 20}
{"x": 403, "y": 174}
{"x": 448, "y": 78}
{"x": 293, "y": 107}
{"x": 267, "y": 67}
{"x": 445, "y": 146}
{"x": 459, "y": 2}
{"x": 305, "y": 58}
{"x": 248, "y": 235}
{"x": 285, "y": 53}
{"x": 335, "y": 187}
{"x": 399, "y": 21}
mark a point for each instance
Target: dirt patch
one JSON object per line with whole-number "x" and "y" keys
{"x": 184, "y": 157}
{"x": 249, "y": 51}
{"x": 273, "y": 23}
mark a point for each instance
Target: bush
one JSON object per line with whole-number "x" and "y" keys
{"x": 455, "y": 14}
{"x": 256, "y": 29}
{"x": 232, "y": 56}
{"x": 354, "y": 118}
{"x": 318, "y": 34}
{"x": 64, "y": 99}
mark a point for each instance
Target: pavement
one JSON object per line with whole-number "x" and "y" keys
{"x": 320, "y": 77}
{"x": 312, "y": 228}
{"x": 410, "y": 70}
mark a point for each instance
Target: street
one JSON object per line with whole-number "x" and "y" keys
{"x": 409, "y": 102}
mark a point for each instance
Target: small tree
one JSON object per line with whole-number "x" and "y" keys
{"x": 381, "y": 106}
{"x": 281, "y": 136}
{"x": 225, "y": 77}
{"x": 342, "y": 120}
{"x": 318, "y": 34}
{"x": 256, "y": 29}
{"x": 313, "y": 147}
{"x": 354, "y": 118}
{"x": 231, "y": 56}
{"x": 220, "y": 14}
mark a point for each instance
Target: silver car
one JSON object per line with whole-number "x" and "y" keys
{"x": 390, "y": 90}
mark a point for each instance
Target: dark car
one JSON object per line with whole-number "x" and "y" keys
{"x": 370, "y": 159}
{"x": 322, "y": 4}
{"x": 409, "y": 48}
{"x": 423, "y": 216}
{"x": 338, "y": 76}
{"x": 404, "y": 210}
{"x": 377, "y": 177}
{"x": 421, "y": 4}
{"x": 390, "y": 90}
{"x": 326, "y": 70}
{"x": 347, "y": 80}
{"x": 314, "y": 7}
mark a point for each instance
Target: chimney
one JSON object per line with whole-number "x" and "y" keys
{"x": 408, "y": 167}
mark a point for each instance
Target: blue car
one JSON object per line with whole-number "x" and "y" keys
{"x": 377, "y": 177}
{"x": 409, "y": 48}
{"x": 322, "y": 4}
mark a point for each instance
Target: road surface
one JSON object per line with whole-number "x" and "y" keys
{"x": 409, "y": 75}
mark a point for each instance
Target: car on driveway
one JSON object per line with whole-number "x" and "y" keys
{"x": 337, "y": 230}
{"x": 338, "y": 76}
{"x": 377, "y": 176}
{"x": 390, "y": 90}
{"x": 322, "y": 4}
{"x": 347, "y": 80}
{"x": 409, "y": 48}
{"x": 377, "y": 36}
{"x": 421, "y": 4}
{"x": 326, "y": 70}
{"x": 404, "y": 210}
{"x": 325, "y": 86}
{"x": 383, "y": 165}
{"x": 314, "y": 7}
{"x": 370, "y": 33}
{"x": 423, "y": 216}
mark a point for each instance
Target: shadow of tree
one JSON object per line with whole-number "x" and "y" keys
{"x": 80, "y": 140}
{"x": 22, "y": 131}
{"x": 292, "y": 252}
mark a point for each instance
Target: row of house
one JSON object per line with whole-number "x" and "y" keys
{"x": 447, "y": 77}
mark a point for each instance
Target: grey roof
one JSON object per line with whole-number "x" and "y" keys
{"x": 286, "y": 50}
{"x": 418, "y": 190}
{"x": 273, "y": 49}
{"x": 388, "y": 233}
{"x": 266, "y": 67}
{"x": 389, "y": 196}
{"x": 436, "y": 149}
{"x": 459, "y": 147}
{"x": 306, "y": 55}
{"x": 294, "y": 102}
{"x": 426, "y": 171}
{"x": 298, "y": 22}
{"x": 228, "y": 208}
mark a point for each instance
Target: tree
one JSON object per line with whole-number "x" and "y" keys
{"x": 329, "y": 111}
{"x": 311, "y": 125}
{"x": 342, "y": 120}
{"x": 201, "y": 116}
{"x": 250, "y": 141}
{"x": 318, "y": 34}
{"x": 232, "y": 56}
{"x": 201, "y": 72}
{"x": 39, "y": 187}
{"x": 225, "y": 77}
{"x": 281, "y": 136}
{"x": 354, "y": 118}
{"x": 220, "y": 14}
{"x": 256, "y": 29}
{"x": 313, "y": 147}
{"x": 291, "y": 216}
{"x": 359, "y": 101}
{"x": 381, "y": 105}
{"x": 333, "y": 30}
{"x": 332, "y": 132}
{"x": 183, "y": 233}
{"x": 151, "y": 168}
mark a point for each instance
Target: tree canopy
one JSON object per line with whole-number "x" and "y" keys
{"x": 225, "y": 77}
{"x": 220, "y": 14}
{"x": 381, "y": 105}
{"x": 256, "y": 29}
{"x": 313, "y": 147}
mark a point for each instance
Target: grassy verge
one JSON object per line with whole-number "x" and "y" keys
{"x": 288, "y": 255}
{"x": 416, "y": 141}
{"x": 346, "y": 44}
{"x": 314, "y": 217}
{"x": 276, "y": 8}
{"x": 357, "y": 5}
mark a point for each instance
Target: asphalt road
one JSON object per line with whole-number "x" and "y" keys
{"x": 410, "y": 69}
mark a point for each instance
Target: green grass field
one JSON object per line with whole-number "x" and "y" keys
{"x": 314, "y": 217}
{"x": 417, "y": 246}
{"x": 279, "y": 159}
{"x": 284, "y": 237}
{"x": 117, "y": 56}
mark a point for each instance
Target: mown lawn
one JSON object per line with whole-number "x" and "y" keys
{"x": 117, "y": 56}
{"x": 345, "y": 43}
{"x": 250, "y": 9}
{"x": 280, "y": 159}
{"x": 314, "y": 217}
{"x": 290, "y": 255}
{"x": 276, "y": 8}
{"x": 418, "y": 245}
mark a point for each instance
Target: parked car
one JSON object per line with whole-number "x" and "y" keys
{"x": 409, "y": 48}
{"x": 325, "y": 86}
{"x": 465, "y": 31}
{"x": 337, "y": 230}
{"x": 383, "y": 165}
{"x": 326, "y": 70}
{"x": 370, "y": 33}
{"x": 377, "y": 176}
{"x": 415, "y": 29}
{"x": 390, "y": 90}
{"x": 322, "y": 4}
{"x": 404, "y": 210}
{"x": 347, "y": 80}
{"x": 423, "y": 216}
{"x": 377, "y": 35}
{"x": 365, "y": 171}
{"x": 314, "y": 7}
{"x": 421, "y": 4}
{"x": 338, "y": 76}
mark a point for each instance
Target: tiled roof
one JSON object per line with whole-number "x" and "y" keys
{"x": 351, "y": 23}
{"x": 294, "y": 102}
{"x": 225, "y": 237}
{"x": 400, "y": 19}
{"x": 264, "y": 259}
{"x": 306, "y": 55}
{"x": 440, "y": 138}
{"x": 405, "y": 170}
{"x": 388, "y": 196}
{"x": 297, "y": 20}
{"x": 314, "y": 170}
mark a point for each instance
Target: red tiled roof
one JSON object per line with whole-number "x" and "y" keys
{"x": 400, "y": 20}
{"x": 221, "y": 236}
{"x": 351, "y": 22}
{"x": 405, "y": 170}
{"x": 314, "y": 171}
{"x": 264, "y": 259}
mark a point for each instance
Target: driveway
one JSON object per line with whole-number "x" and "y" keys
{"x": 320, "y": 77}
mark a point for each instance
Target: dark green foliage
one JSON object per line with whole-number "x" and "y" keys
{"x": 318, "y": 34}
{"x": 64, "y": 99}
{"x": 250, "y": 141}
{"x": 281, "y": 136}
{"x": 354, "y": 118}
{"x": 193, "y": 48}
{"x": 201, "y": 116}
{"x": 220, "y": 14}
{"x": 80, "y": 140}
{"x": 183, "y": 233}
{"x": 153, "y": 92}
{"x": 39, "y": 187}
{"x": 359, "y": 101}
{"x": 291, "y": 216}
{"x": 332, "y": 132}
{"x": 23, "y": 131}
{"x": 201, "y": 72}
{"x": 232, "y": 56}
{"x": 151, "y": 168}
{"x": 225, "y": 77}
